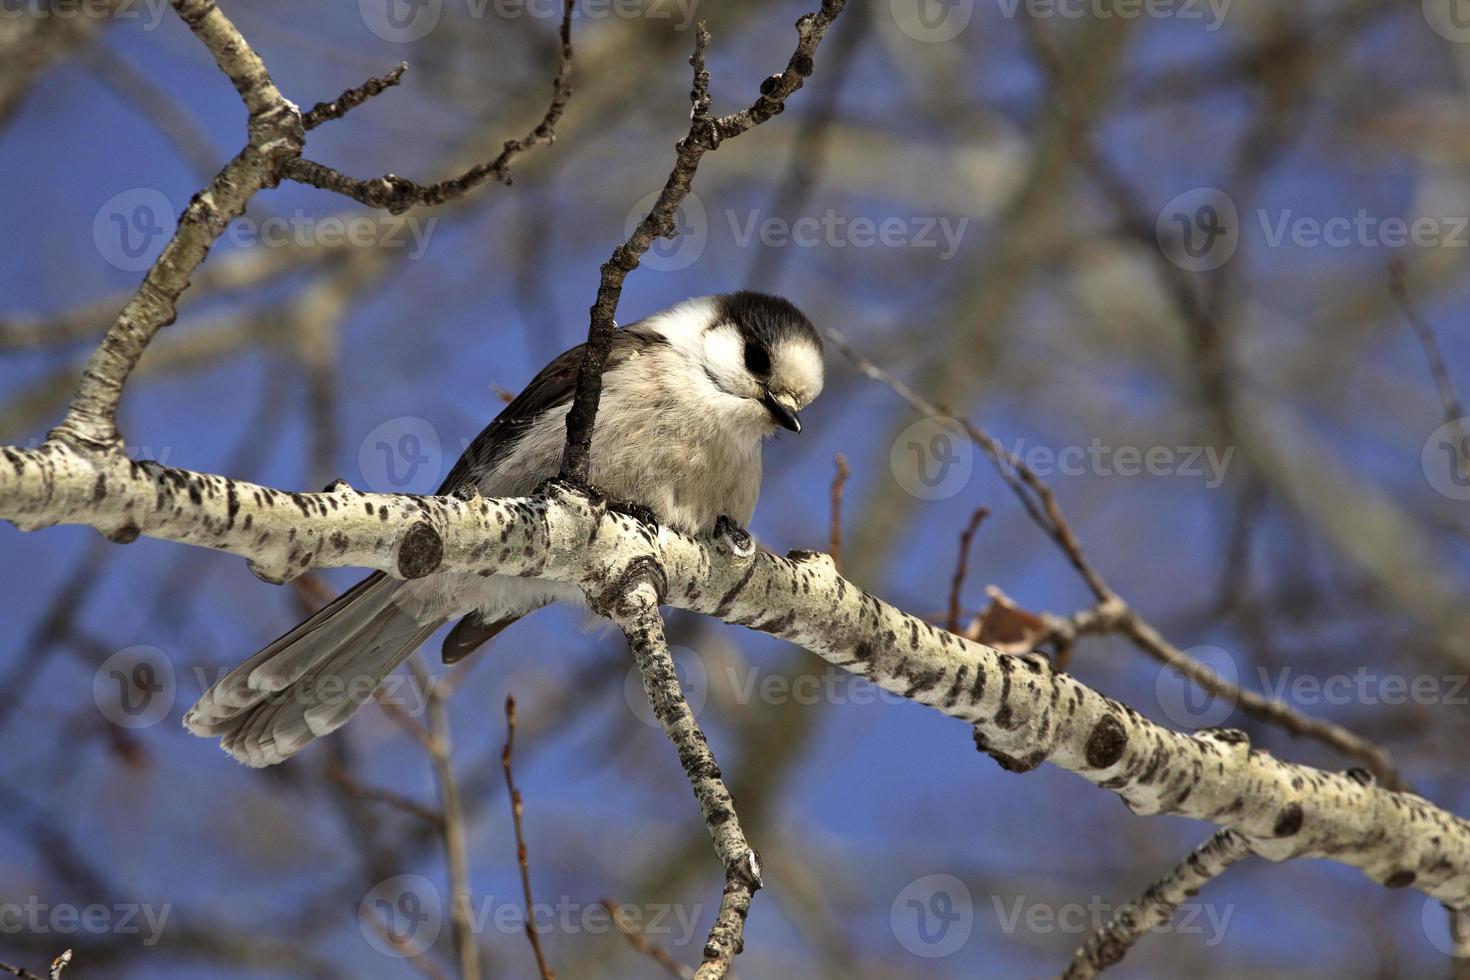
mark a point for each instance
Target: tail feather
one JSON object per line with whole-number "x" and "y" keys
{"x": 312, "y": 680}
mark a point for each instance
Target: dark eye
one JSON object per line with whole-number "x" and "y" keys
{"x": 757, "y": 359}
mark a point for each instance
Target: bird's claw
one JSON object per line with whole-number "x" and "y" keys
{"x": 576, "y": 488}
{"x": 643, "y": 515}
{"x": 734, "y": 537}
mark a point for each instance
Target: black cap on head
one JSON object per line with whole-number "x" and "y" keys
{"x": 768, "y": 319}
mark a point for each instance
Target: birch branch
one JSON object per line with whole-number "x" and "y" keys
{"x": 706, "y": 133}
{"x": 632, "y": 602}
{"x": 1157, "y": 905}
{"x": 1024, "y": 712}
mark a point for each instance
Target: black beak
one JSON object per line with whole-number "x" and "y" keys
{"x": 784, "y": 416}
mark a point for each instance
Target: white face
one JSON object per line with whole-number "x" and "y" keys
{"x": 739, "y": 374}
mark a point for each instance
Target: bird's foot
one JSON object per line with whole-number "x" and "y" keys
{"x": 643, "y": 515}
{"x": 576, "y": 488}
{"x": 734, "y": 537}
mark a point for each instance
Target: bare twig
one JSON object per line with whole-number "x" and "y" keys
{"x": 398, "y": 194}
{"x": 834, "y": 531}
{"x": 640, "y": 942}
{"x": 17, "y": 971}
{"x": 455, "y": 849}
{"x": 352, "y": 98}
{"x": 1112, "y": 613}
{"x": 1157, "y": 905}
{"x": 705, "y": 134}
{"x": 1449, "y": 396}
{"x": 636, "y": 613}
{"x": 417, "y": 958}
{"x": 360, "y": 791}
{"x": 962, "y": 568}
{"x": 516, "y": 808}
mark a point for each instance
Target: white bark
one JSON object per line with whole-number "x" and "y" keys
{"x": 1022, "y": 711}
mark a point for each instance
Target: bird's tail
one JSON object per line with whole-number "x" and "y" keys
{"x": 310, "y": 681}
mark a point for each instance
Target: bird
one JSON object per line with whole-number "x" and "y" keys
{"x": 688, "y": 397}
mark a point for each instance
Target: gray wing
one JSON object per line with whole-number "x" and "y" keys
{"x": 554, "y": 386}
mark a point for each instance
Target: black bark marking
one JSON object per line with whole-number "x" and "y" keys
{"x": 421, "y": 552}
{"x": 1107, "y": 743}
{"x": 1289, "y": 823}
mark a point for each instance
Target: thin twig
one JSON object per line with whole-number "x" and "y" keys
{"x": 1112, "y": 613}
{"x": 455, "y": 850}
{"x": 640, "y": 942}
{"x": 1449, "y": 397}
{"x": 834, "y": 532}
{"x": 398, "y": 194}
{"x": 360, "y": 791}
{"x": 17, "y": 971}
{"x": 705, "y": 134}
{"x": 1157, "y": 906}
{"x": 352, "y": 98}
{"x": 417, "y": 958}
{"x": 962, "y": 568}
{"x": 516, "y": 808}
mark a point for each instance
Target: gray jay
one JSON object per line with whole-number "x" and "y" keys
{"x": 687, "y": 396}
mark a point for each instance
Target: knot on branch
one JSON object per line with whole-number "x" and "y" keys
{"x": 623, "y": 599}
{"x": 421, "y": 551}
{"x": 277, "y": 132}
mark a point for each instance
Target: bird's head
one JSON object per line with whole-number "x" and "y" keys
{"x": 758, "y": 355}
